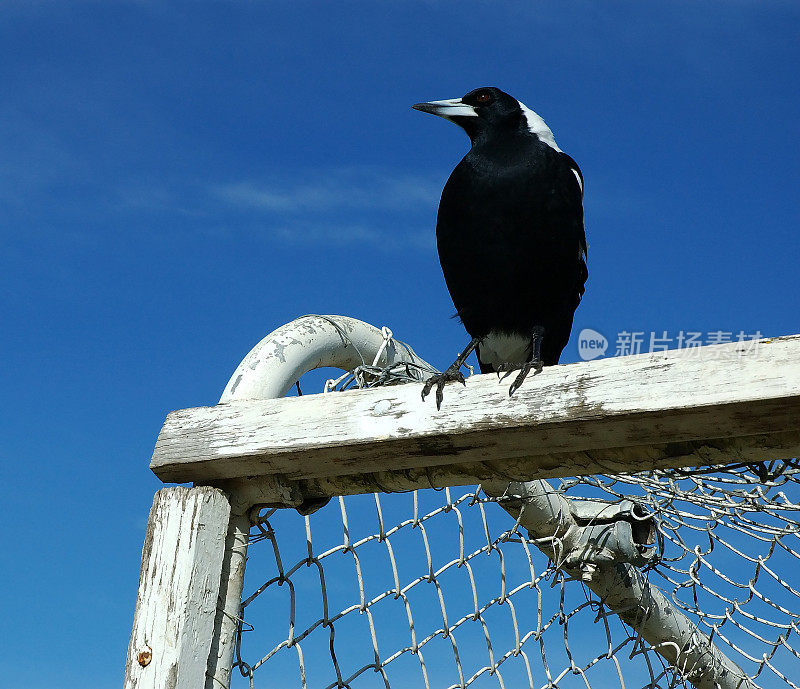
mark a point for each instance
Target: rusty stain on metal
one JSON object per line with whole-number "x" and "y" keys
{"x": 145, "y": 656}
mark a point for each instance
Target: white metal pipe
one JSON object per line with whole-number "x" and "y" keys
{"x": 547, "y": 516}
{"x": 278, "y": 361}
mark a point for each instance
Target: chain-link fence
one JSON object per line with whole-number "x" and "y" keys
{"x": 444, "y": 589}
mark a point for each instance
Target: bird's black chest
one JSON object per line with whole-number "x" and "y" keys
{"x": 507, "y": 234}
{"x": 502, "y": 197}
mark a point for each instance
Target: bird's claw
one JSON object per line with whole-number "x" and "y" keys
{"x": 440, "y": 380}
{"x": 536, "y": 365}
{"x": 505, "y": 370}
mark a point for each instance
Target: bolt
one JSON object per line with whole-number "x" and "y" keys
{"x": 145, "y": 656}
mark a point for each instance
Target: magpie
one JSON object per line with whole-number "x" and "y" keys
{"x": 510, "y": 235}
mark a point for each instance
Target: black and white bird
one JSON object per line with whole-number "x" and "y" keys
{"x": 511, "y": 237}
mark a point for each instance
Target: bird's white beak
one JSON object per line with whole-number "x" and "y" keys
{"x": 447, "y": 108}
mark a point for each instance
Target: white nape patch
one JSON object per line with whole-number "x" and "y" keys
{"x": 504, "y": 348}
{"x": 578, "y": 177}
{"x": 536, "y": 125}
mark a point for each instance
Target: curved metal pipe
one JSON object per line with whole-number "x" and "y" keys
{"x": 277, "y": 362}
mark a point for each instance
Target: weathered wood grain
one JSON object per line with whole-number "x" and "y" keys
{"x": 178, "y": 588}
{"x": 684, "y": 407}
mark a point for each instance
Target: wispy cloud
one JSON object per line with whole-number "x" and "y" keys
{"x": 385, "y": 237}
{"x": 357, "y": 207}
{"x": 342, "y": 188}
{"x": 348, "y": 206}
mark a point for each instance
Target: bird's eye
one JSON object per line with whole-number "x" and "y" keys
{"x": 483, "y": 97}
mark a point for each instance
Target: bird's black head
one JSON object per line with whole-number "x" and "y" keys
{"x": 484, "y": 109}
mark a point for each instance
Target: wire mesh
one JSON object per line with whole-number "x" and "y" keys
{"x": 440, "y": 589}
{"x": 443, "y": 589}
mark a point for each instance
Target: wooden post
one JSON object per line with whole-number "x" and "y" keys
{"x": 229, "y": 608}
{"x": 178, "y": 588}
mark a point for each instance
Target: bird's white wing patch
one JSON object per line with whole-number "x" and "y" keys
{"x": 536, "y": 125}
{"x": 578, "y": 177}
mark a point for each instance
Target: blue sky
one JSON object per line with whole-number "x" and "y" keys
{"x": 177, "y": 179}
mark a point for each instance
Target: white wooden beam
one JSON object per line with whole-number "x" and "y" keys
{"x": 709, "y": 405}
{"x": 178, "y": 588}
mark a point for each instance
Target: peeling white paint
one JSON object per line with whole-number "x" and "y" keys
{"x": 274, "y": 365}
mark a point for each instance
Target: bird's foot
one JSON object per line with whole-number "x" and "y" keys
{"x": 536, "y": 365}
{"x": 452, "y": 374}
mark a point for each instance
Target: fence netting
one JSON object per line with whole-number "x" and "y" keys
{"x": 444, "y": 589}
